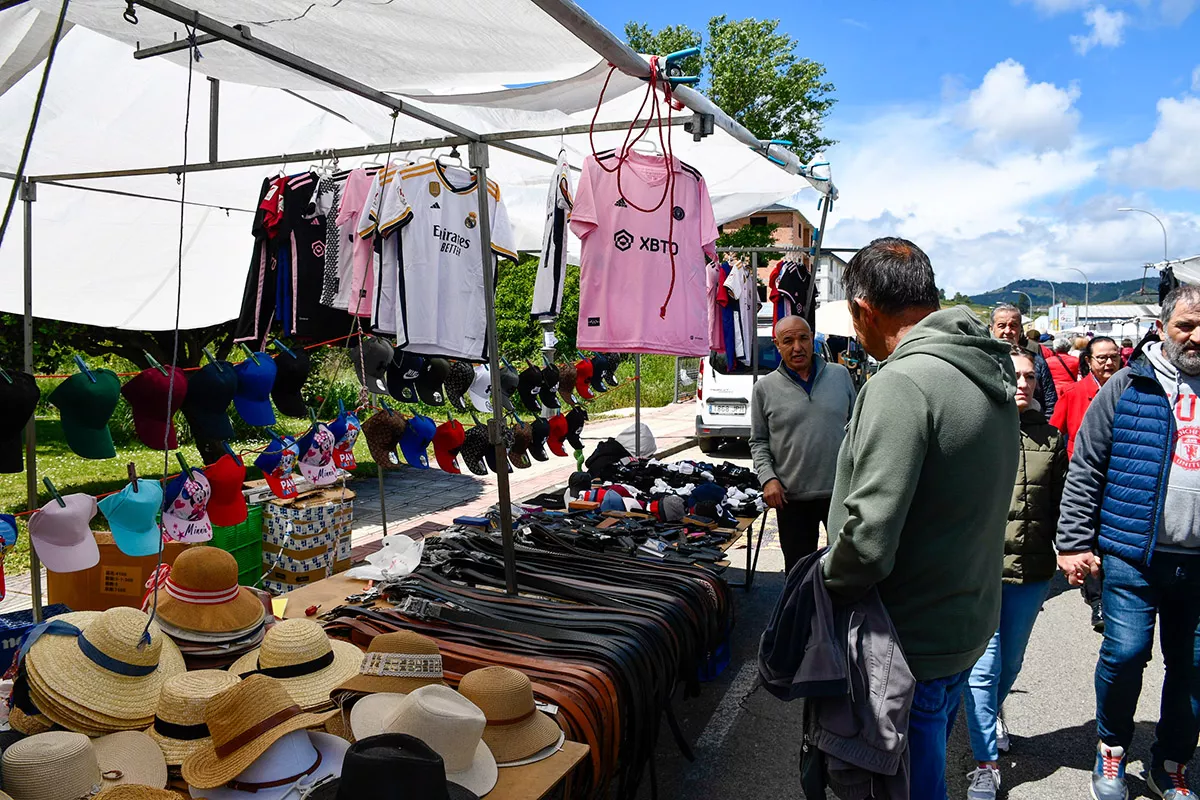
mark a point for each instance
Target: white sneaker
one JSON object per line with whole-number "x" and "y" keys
{"x": 1002, "y": 742}
{"x": 985, "y": 783}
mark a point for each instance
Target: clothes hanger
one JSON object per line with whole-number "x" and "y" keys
{"x": 647, "y": 146}
{"x": 451, "y": 159}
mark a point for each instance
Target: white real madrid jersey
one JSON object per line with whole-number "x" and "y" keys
{"x": 548, "y": 285}
{"x": 432, "y": 281}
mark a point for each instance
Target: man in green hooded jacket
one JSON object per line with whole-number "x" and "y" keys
{"x": 924, "y": 480}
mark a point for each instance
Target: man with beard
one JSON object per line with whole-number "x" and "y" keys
{"x": 1133, "y": 494}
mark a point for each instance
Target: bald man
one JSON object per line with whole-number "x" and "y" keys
{"x": 798, "y": 417}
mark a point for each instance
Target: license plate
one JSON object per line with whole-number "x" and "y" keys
{"x": 736, "y": 409}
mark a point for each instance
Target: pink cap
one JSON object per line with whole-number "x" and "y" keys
{"x": 61, "y": 536}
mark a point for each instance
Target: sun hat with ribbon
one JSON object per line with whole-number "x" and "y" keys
{"x": 516, "y": 730}
{"x": 201, "y": 593}
{"x": 96, "y": 671}
{"x": 179, "y": 728}
{"x": 291, "y": 767}
{"x": 397, "y": 662}
{"x": 61, "y": 765}
{"x": 304, "y": 659}
{"x": 244, "y": 721}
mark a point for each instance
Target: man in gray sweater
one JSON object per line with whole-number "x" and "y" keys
{"x": 798, "y": 417}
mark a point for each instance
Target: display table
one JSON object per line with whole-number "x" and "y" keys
{"x": 535, "y": 781}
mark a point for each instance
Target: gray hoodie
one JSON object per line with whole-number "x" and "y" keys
{"x": 1181, "y": 512}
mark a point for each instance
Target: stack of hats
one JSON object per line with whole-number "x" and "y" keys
{"x": 95, "y": 673}
{"x": 212, "y": 619}
{"x": 301, "y": 656}
{"x": 179, "y": 728}
{"x": 60, "y": 765}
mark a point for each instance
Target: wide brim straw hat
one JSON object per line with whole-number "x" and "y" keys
{"x": 515, "y": 730}
{"x": 201, "y": 593}
{"x": 304, "y": 659}
{"x": 130, "y": 757}
{"x": 61, "y": 765}
{"x": 179, "y": 728}
{"x": 69, "y": 686}
{"x": 398, "y": 662}
{"x": 245, "y": 720}
{"x": 133, "y": 791}
{"x": 28, "y": 724}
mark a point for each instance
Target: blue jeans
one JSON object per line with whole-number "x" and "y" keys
{"x": 993, "y": 675}
{"x": 934, "y": 707}
{"x": 1134, "y": 595}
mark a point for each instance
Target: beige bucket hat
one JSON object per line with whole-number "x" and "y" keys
{"x": 61, "y": 765}
{"x": 516, "y": 731}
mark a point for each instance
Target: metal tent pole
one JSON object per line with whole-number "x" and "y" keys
{"x": 810, "y": 313}
{"x": 28, "y": 196}
{"x": 637, "y": 404}
{"x": 478, "y": 154}
{"x": 753, "y": 382}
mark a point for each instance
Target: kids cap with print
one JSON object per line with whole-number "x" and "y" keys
{"x": 60, "y": 535}
{"x": 550, "y": 378}
{"x": 481, "y": 390}
{"x": 291, "y": 371}
{"x": 19, "y": 397}
{"x": 558, "y": 432}
{"x": 575, "y": 419}
{"x": 475, "y": 446}
{"x": 540, "y": 431}
{"x": 316, "y": 455}
{"x": 133, "y": 517}
{"x": 447, "y": 440}
{"x": 8, "y": 537}
{"x": 402, "y": 374}
{"x": 256, "y": 377}
{"x": 345, "y": 430}
{"x": 276, "y": 463}
{"x": 85, "y": 408}
{"x": 210, "y": 391}
{"x": 147, "y": 394}
{"x": 529, "y": 384}
{"x": 458, "y": 382}
{"x": 383, "y": 430}
{"x": 583, "y": 378}
{"x": 430, "y": 382}
{"x": 370, "y": 359}
{"x": 185, "y": 508}
{"x": 415, "y": 442}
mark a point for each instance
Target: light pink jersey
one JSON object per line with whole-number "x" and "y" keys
{"x": 626, "y": 262}
{"x": 356, "y": 287}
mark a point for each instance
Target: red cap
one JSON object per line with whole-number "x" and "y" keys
{"x": 227, "y": 505}
{"x": 147, "y": 395}
{"x": 583, "y": 380}
{"x": 558, "y": 432}
{"x": 448, "y": 437}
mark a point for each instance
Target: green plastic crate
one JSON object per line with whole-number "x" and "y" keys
{"x": 244, "y": 543}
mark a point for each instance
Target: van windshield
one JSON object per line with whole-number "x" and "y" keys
{"x": 768, "y": 359}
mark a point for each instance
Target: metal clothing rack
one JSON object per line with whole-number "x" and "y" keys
{"x": 210, "y": 30}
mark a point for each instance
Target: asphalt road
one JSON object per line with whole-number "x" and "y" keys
{"x": 747, "y": 743}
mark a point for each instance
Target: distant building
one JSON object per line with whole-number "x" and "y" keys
{"x": 829, "y": 278}
{"x": 1118, "y": 320}
{"x": 794, "y": 231}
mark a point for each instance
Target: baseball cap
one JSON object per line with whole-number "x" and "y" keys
{"x": 447, "y": 440}
{"x": 529, "y": 383}
{"x": 518, "y": 452}
{"x": 253, "y": 398}
{"x": 227, "y": 505}
{"x": 382, "y": 431}
{"x": 370, "y": 359}
{"x": 481, "y": 389}
{"x": 415, "y": 441}
{"x": 8, "y": 530}
{"x": 185, "y": 508}
{"x": 566, "y": 381}
{"x": 430, "y": 383}
{"x": 60, "y": 534}
{"x": 550, "y": 379}
{"x": 575, "y": 419}
{"x": 316, "y": 455}
{"x": 611, "y": 501}
{"x": 457, "y": 382}
{"x": 133, "y": 517}
{"x": 402, "y": 374}
{"x": 707, "y": 492}
{"x": 539, "y": 432}
{"x": 210, "y": 391}
{"x": 345, "y": 430}
{"x": 599, "y": 366}
{"x": 84, "y": 408}
{"x": 558, "y": 432}
{"x": 610, "y": 371}
{"x": 475, "y": 446}
{"x": 147, "y": 393}
{"x": 18, "y": 397}
{"x": 489, "y": 453}
{"x": 509, "y": 382}
{"x": 669, "y": 508}
{"x": 291, "y": 371}
{"x": 583, "y": 378}
{"x": 276, "y": 463}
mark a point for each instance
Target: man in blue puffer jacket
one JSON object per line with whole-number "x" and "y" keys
{"x": 1133, "y": 494}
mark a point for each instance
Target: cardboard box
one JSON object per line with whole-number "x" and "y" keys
{"x": 307, "y": 539}
{"x": 118, "y": 580}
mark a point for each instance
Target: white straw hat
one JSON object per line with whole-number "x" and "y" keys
{"x": 453, "y": 727}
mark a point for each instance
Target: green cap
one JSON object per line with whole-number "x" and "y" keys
{"x": 85, "y": 408}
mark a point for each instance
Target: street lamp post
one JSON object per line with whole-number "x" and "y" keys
{"x": 1053, "y": 298}
{"x": 1087, "y": 310}
{"x": 1160, "y": 224}
{"x": 1027, "y": 297}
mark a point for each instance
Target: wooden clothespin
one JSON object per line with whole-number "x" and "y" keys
{"x": 84, "y": 368}
{"x": 154, "y": 364}
{"x": 133, "y": 476}
{"x": 54, "y": 492}
{"x": 183, "y": 463}
{"x": 252, "y": 355}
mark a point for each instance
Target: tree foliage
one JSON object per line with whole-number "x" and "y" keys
{"x": 752, "y": 236}
{"x": 750, "y": 69}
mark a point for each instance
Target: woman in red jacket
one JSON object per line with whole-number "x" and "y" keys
{"x": 1098, "y": 362}
{"x": 1064, "y": 367}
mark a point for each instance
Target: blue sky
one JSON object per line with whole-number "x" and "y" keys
{"x": 1000, "y": 135}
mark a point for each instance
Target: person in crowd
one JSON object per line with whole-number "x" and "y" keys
{"x": 1126, "y": 351}
{"x": 1133, "y": 493}
{"x": 1077, "y": 345}
{"x": 798, "y": 416}
{"x": 1006, "y": 326}
{"x": 909, "y": 515}
{"x": 1064, "y": 367}
{"x": 1028, "y": 567}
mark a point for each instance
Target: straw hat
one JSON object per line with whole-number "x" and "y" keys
{"x": 61, "y": 765}
{"x": 105, "y": 676}
{"x": 290, "y": 768}
{"x": 133, "y": 791}
{"x": 301, "y": 655}
{"x": 28, "y": 724}
{"x": 397, "y": 662}
{"x": 244, "y": 721}
{"x": 202, "y": 594}
{"x": 515, "y": 730}
{"x": 179, "y": 727}
{"x": 130, "y": 757}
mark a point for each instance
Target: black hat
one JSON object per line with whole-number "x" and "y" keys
{"x": 489, "y": 452}
{"x": 607, "y": 455}
{"x": 541, "y": 432}
{"x": 550, "y": 379}
{"x": 599, "y": 367}
{"x": 402, "y": 374}
{"x": 396, "y": 766}
{"x": 370, "y": 359}
{"x": 575, "y": 419}
{"x": 430, "y": 383}
{"x": 19, "y": 396}
{"x": 474, "y": 450}
{"x": 610, "y": 374}
{"x": 509, "y": 384}
{"x": 210, "y": 391}
{"x": 291, "y": 371}
{"x": 457, "y": 381}
{"x": 579, "y": 482}
{"x": 528, "y": 386}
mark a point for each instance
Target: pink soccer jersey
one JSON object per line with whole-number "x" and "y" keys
{"x": 626, "y": 263}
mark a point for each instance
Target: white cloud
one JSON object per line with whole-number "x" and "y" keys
{"x": 1196, "y": 79}
{"x": 1170, "y": 158}
{"x": 1008, "y": 108}
{"x": 1107, "y": 29}
{"x": 1057, "y": 6}
{"x": 1172, "y": 12}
